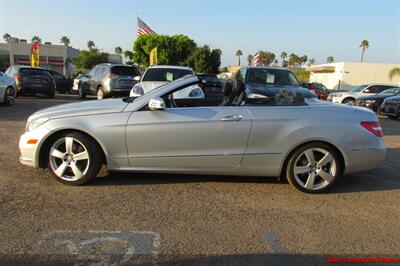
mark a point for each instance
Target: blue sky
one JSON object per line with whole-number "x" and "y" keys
{"x": 315, "y": 28}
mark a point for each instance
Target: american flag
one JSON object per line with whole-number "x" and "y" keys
{"x": 256, "y": 59}
{"x": 142, "y": 28}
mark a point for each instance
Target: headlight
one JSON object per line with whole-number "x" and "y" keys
{"x": 35, "y": 123}
{"x": 196, "y": 93}
{"x": 136, "y": 91}
{"x": 338, "y": 95}
{"x": 256, "y": 95}
{"x": 370, "y": 101}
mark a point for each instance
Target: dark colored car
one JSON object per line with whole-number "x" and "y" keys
{"x": 319, "y": 89}
{"x": 268, "y": 83}
{"x": 63, "y": 83}
{"x": 106, "y": 80}
{"x": 391, "y": 107}
{"x": 212, "y": 86}
{"x": 373, "y": 102}
{"x": 32, "y": 80}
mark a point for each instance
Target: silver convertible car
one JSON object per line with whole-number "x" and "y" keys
{"x": 308, "y": 141}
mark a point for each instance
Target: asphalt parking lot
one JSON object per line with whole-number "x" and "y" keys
{"x": 175, "y": 219}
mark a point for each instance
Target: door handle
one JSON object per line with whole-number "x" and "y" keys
{"x": 232, "y": 118}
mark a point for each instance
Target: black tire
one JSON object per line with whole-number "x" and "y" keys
{"x": 393, "y": 116}
{"x": 81, "y": 92}
{"x": 94, "y": 160}
{"x": 9, "y": 96}
{"x": 348, "y": 101}
{"x": 298, "y": 153}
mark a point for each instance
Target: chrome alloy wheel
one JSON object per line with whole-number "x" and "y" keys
{"x": 69, "y": 159}
{"x": 315, "y": 169}
{"x": 10, "y": 96}
{"x": 100, "y": 94}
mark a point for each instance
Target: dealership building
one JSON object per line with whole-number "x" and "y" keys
{"x": 57, "y": 57}
{"x": 347, "y": 75}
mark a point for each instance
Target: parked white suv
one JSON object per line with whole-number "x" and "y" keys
{"x": 156, "y": 76}
{"x": 349, "y": 97}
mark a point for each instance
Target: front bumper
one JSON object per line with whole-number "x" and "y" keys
{"x": 30, "y": 152}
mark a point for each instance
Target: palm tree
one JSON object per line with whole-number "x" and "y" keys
{"x": 65, "y": 40}
{"x": 283, "y": 56}
{"x": 6, "y": 37}
{"x": 36, "y": 39}
{"x": 394, "y": 72}
{"x": 91, "y": 44}
{"x": 239, "y": 54}
{"x": 311, "y": 61}
{"x": 330, "y": 59}
{"x": 364, "y": 46}
{"x": 118, "y": 50}
{"x": 249, "y": 59}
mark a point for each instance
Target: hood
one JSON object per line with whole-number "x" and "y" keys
{"x": 81, "y": 108}
{"x": 273, "y": 90}
{"x": 151, "y": 85}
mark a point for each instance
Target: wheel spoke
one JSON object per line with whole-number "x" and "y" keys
{"x": 81, "y": 156}
{"x": 325, "y": 160}
{"x": 75, "y": 169}
{"x": 310, "y": 181}
{"x": 326, "y": 176}
{"x": 301, "y": 169}
{"x": 57, "y": 154}
{"x": 68, "y": 144}
{"x": 61, "y": 169}
{"x": 310, "y": 156}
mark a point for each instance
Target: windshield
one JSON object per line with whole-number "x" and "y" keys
{"x": 165, "y": 74}
{"x": 276, "y": 77}
{"x": 124, "y": 71}
{"x": 359, "y": 88}
{"x": 391, "y": 91}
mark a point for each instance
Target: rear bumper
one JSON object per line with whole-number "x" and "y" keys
{"x": 35, "y": 89}
{"x": 363, "y": 160}
{"x": 119, "y": 91}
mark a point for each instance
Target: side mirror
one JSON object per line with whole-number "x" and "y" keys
{"x": 137, "y": 78}
{"x": 156, "y": 104}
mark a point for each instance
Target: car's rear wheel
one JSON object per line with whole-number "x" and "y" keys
{"x": 81, "y": 92}
{"x": 74, "y": 159}
{"x": 314, "y": 167}
{"x": 9, "y": 97}
{"x": 100, "y": 93}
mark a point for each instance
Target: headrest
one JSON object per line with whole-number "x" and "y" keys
{"x": 238, "y": 87}
{"x": 228, "y": 89}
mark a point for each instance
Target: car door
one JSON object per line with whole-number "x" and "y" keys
{"x": 2, "y": 82}
{"x": 206, "y": 137}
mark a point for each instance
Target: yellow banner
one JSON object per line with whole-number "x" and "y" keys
{"x": 35, "y": 54}
{"x": 153, "y": 57}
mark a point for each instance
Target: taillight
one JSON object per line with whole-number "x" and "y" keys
{"x": 373, "y": 127}
{"x": 18, "y": 76}
{"x": 110, "y": 75}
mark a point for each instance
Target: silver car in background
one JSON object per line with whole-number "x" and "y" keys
{"x": 8, "y": 89}
{"x": 307, "y": 141}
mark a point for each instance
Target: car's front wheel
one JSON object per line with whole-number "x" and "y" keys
{"x": 81, "y": 92}
{"x": 349, "y": 101}
{"x": 314, "y": 167}
{"x": 74, "y": 158}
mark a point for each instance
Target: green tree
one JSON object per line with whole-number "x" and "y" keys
{"x": 250, "y": 59}
{"x": 87, "y": 59}
{"x": 394, "y": 72}
{"x": 118, "y": 50}
{"x": 239, "y": 54}
{"x": 91, "y": 44}
{"x": 330, "y": 59}
{"x": 205, "y": 60}
{"x": 364, "y": 46}
{"x": 36, "y": 39}
{"x": 303, "y": 60}
{"x": 266, "y": 58}
{"x": 171, "y": 50}
{"x": 311, "y": 61}
{"x": 128, "y": 54}
{"x": 65, "y": 40}
{"x": 6, "y": 37}
{"x": 283, "y": 56}
{"x": 293, "y": 60}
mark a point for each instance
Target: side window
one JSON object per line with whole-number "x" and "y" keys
{"x": 1, "y": 74}
{"x": 283, "y": 98}
{"x": 370, "y": 89}
{"x": 240, "y": 74}
{"x": 91, "y": 72}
